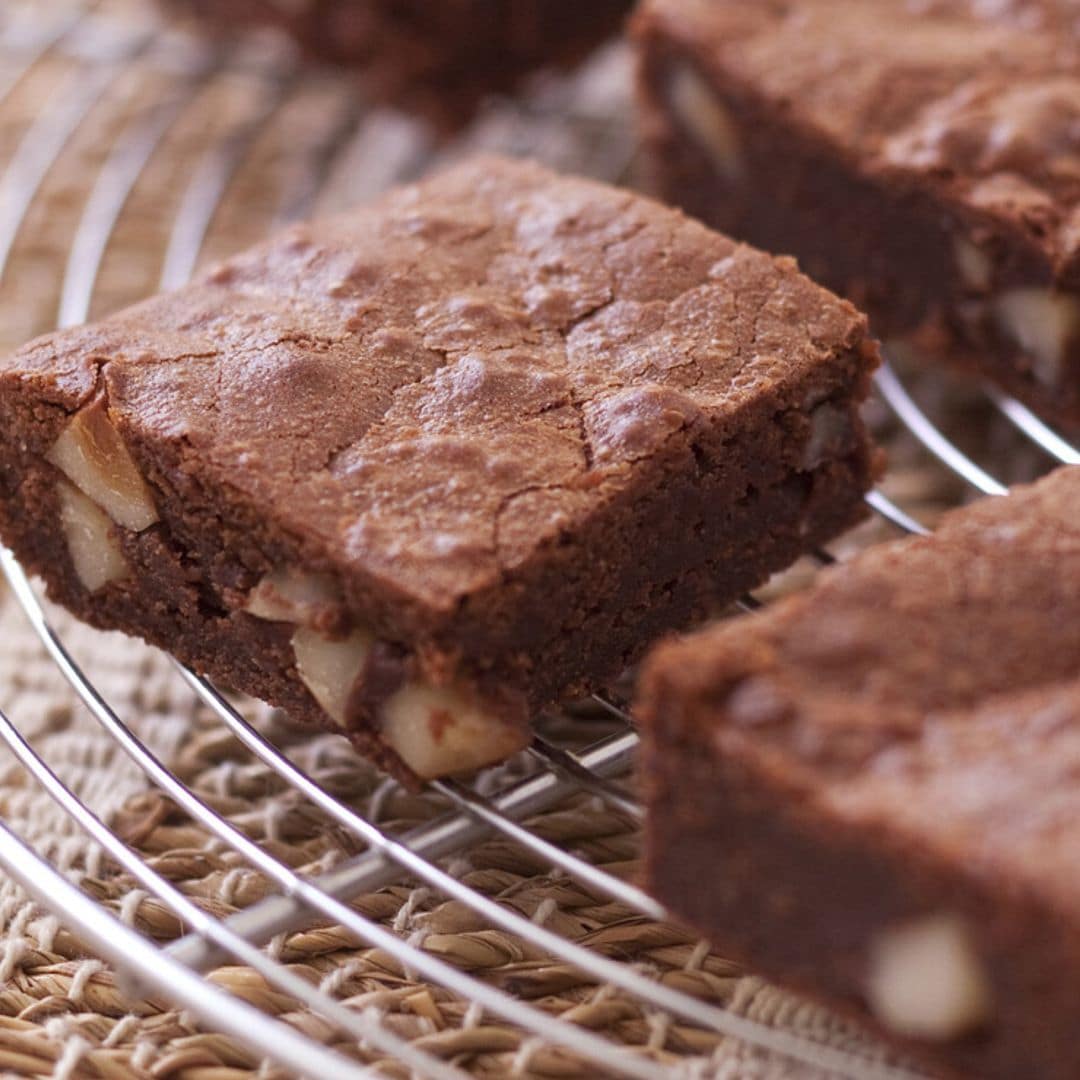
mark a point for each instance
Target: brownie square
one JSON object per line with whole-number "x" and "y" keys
{"x": 923, "y": 159}
{"x": 419, "y": 469}
{"x": 439, "y": 57}
{"x": 869, "y": 791}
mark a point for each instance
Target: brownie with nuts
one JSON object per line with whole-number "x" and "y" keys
{"x": 921, "y": 158}
{"x": 441, "y": 57}
{"x": 419, "y": 469}
{"x": 870, "y": 790}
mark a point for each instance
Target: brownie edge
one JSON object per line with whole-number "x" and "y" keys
{"x": 868, "y": 790}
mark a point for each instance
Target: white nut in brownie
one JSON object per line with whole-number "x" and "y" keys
{"x": 330, "y": 668}
{"x": 1042, "y": 323}
{"x": 927, "y": 981}
{"x": 438, "y": 731}
{"x": 973, "y": 264}
{"x": 91, "y": 542}
{"x": 294, "y": 596}
{"x": 706, "y": 120}
{"x": 91, "y": 454}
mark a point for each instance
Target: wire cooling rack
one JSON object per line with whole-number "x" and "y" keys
{"x": 100, "y": 50}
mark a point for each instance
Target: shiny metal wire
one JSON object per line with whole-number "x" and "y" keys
{"x": 175, "y": 971}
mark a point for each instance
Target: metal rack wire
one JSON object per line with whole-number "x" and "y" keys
{"x": 477, "y": 810}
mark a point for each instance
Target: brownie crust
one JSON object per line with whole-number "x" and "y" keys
{"x": 920, "y": 159}
{"x": 520, "y": 424}
{"x": 899, "y": 744}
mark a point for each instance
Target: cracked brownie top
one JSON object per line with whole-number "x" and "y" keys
{"x": 429, "y": 389}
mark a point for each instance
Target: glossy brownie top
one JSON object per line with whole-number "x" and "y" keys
{"x": 981, "y": 99}
{"x": 429, "y": 391}
{"x": 933, "y": 680}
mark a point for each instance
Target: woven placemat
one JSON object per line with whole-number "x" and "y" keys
{"x": 63, "y": 1012}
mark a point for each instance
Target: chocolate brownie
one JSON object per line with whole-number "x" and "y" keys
{"x": 923, "y": 158}
{"x": 442, "y": 57}
{"x": 420, "y": 468}
{"x": 870, "y": 791}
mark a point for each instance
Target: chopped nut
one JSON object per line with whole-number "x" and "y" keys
{"x": 976, "y": 270}
{"x": 926, "y": 980}
{"x": 94, "y": 552}
{"x": 1041, "y": 322}
{"x": 435, "y": 731}
{"x": 329, "y": 668}
{"x": 831, "y": 433}
{"x": 438, "y": 731}
{"x": 91, "y": 454}
{"x": 292, "y": 596}
{"x": 707, "y": 120}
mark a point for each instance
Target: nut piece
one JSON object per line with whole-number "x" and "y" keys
{"x": 926, "y": 980}
{"x": 292, "y": 595}
{"x": 329, "y": 668}
{"x": 91, "y": 454}
{"x": 831, "y": 434}
{"x": 94, "y": 552}
{"x": 438, "y": 731}
{"x": 1041, "y": 322}
{"x": 435, "y": 731}
{"x": 976, "y": 270}
{"x": 707, "y": 120}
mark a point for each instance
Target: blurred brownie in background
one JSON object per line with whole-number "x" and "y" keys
{"x": 440, "y": 57}
{"x": 923, "y": 158}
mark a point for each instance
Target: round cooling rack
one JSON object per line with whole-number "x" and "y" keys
{"x": 195, "y": 888}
